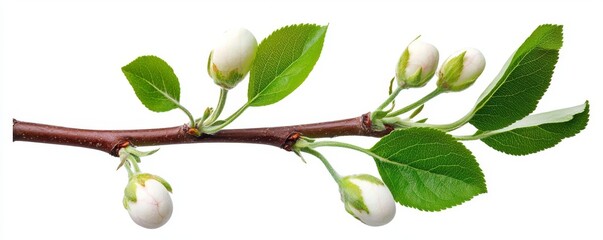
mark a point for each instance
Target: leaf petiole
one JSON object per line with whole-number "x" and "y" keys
{"x": 390, "y": 99}
{"x": 216, "y": 113}
{"x": 472, "y": 137}
{"x": 348, "y": 146}
{"x": 188, "y": 113}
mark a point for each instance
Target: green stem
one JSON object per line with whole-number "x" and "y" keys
{"x": 389, "y": 100}
{"x": 418, "y": 103}
{"x": 134, "y": 164}
{"x": 127, "y": 167}
{"x": 221, "y": 102}
{"x": 330, "y": 168}
{"x": 228, "y": 120}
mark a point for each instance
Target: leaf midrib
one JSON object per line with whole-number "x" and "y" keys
{"x": 507, "y": 73}
{"x": 259, "y": 94}
{"x": 165, "y": 94}
{"x": 387, "y": 160}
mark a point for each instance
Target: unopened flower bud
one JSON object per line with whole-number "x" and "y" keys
{"x": 147, "y": 199}
{"x": 461, "y": 70}
{"x": 367, "y": 199}
{"x": 417, "y": 65}
{"x": 231, "y": 59}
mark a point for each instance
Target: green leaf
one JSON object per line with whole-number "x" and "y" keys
{"x": 283, "y": 61}
{"x": 427, "y": 169}
{"x": 154, "y": 83}
{"x": 523, "y": 80}
{"x": 538, "y": 132}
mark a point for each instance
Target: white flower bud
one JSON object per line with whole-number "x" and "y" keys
{"x": 367, "y": 199}
{"x": 461, "y": 70}
{"x": 147, "y": 199}
{"x": 231, "y": 59}
{"x": 417, "y": 65}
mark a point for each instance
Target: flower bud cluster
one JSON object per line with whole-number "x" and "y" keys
{"x": 418, "y": 62}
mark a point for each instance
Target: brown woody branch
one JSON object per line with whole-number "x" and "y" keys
{"x": 110, "y": 141}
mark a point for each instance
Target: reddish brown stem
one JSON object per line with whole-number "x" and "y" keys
{"x": 111, "y": 141}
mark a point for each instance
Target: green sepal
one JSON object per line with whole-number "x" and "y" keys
{"x": 141, "y": 179}
{"x": 163, "y": 182}
{"x": 125, "y": 203}
{"x": 368, "y": 178}
{"x": 352, "y": 196}
{"x": 415, "y": 79}
{"x": 209, "y": 62}
{"x": 452, "y": 72}
{"x": 402, "y": 64}
{"x": 227, "y": 80}
{"x": 130, "y": 192}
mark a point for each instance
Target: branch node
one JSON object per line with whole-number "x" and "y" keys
{"x": 115, "y": 150}
{"x": 291, "y": 140}
{"x": 367, "y": 124}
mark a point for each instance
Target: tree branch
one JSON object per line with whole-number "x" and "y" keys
{"x": 110, "y": 141}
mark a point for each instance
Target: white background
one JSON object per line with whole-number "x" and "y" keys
{"x": 61, "y": 65}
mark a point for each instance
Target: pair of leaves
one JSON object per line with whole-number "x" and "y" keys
{"x": 502, "y": 110}
{"x": 283, "y": 61}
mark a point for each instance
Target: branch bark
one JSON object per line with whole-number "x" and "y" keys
{"x": 110, "y": 141}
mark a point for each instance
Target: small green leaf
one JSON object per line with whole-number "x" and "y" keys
{"x": 427, "y": 169}
{"x": 416, "y": 112}
{"x": 539, "y": 131}
{"x": 523, "y": 80}
{"x": 154, "y": 83}
{"x": 283, "y": 61}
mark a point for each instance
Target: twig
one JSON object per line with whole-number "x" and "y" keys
{"x": 110, "y": 141}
